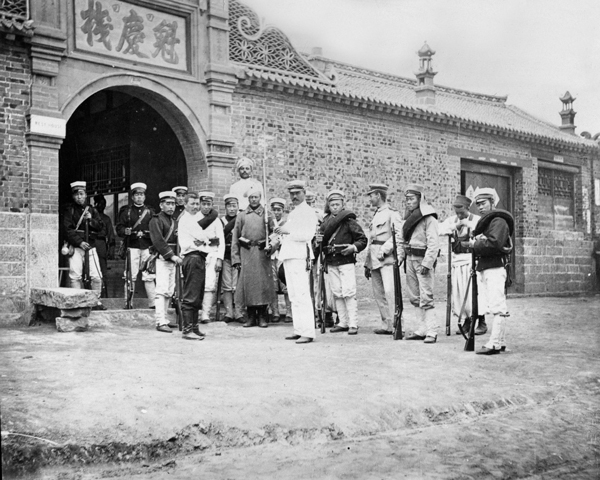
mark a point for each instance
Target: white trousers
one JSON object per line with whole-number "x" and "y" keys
{"x": 492, "y": 281}
{"x": 383, "y": 291}
{"x": 76, "y": 266}
{"x": 342, "y": 280}
{"x": 165, "y": 286}
{"x": 137, "y": 257}
{"x": 211, "y": 277}
{"x": 298, "y": 285}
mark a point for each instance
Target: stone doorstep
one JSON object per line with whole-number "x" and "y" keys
{"x": 63, "y": 298}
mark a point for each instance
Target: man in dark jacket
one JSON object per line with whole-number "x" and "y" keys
{"x": 75, "y": 215}
{"x": 133, "y": 225}
{"x": 492, "y": 243}
{"x": 105, "y": 240}
{"x": 164, "y": 240}
{"x": 342, "y": 238}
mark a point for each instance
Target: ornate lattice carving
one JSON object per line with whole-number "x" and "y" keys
{"x": 544, "y": 181}
{"x": 14, "y": 8}
{"x": 254, "y": 44}
{"x": 563, "y": 185}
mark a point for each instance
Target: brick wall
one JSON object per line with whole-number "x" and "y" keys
{"x": 336, "y": 146}
{"x": 15, "y": 79}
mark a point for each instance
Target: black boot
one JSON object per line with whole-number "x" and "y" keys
{"x": 465, "y": 326}
{"x": 481, "y": 325}
{"x": 188, "y": 322}
{"x": 251, "y": 317}
{"x": 328, "y": 320}
{"x": 262, "y": 316}
{"x": 195, "y": 329}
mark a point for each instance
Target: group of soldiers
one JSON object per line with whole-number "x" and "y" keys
{"x": 255, "y": 251}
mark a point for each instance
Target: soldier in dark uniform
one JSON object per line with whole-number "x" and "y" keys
{"x": 133, "y": 224}
{"x": 492, "y": 244}
{"x": 342, "y": 238}
{"x": 164, "y": 240}
{"x": 73, "y": 218}
{"x": 180, "y": 193}
{"x": 105, "y": 241}
{"x": 230, "y": 275}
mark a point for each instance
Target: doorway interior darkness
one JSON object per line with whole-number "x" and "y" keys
{"x": 113, "y": 140}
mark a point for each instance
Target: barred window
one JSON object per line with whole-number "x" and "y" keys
{"x": 105, "y": 170}
{"x": 556, "y": 189}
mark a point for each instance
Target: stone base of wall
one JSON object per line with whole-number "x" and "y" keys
{"x": 557, "y": 263}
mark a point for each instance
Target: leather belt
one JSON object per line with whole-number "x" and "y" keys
{"x": 416, "y": 251}
{"x": 196, "y": 253}
{"x": 378, "y": 242}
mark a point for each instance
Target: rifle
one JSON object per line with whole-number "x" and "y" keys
{"x": 178, "y": 292}
{"x": 449, "y": 287}
{"x": 399, "y": 305}
{"x": 470, "y": 343}
{"x": 87, "y": 280}
{"x": 322, "y": 287}
{"x": 129, "y": 285}
{"x": 219, "y": 283}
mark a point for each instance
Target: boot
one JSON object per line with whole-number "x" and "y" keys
{"x": 228, "y": 303}
{"x": 465, "y": 326}
{"x": 262, "y": 316}
{"x": 481, "y": 326}
{"x": 150, "y": 287}
{"x": 207, "y": 303}
{"x": 195, "y": 330}
{"x": 188, "y": 321}
{"x": 328, "y": 320}
{"x": 251, "y": 322}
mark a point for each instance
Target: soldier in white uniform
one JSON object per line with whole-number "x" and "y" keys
{"x": 277, "y": 208}
{"x": 296, "y": 255}
{"x": 459, "y": 227}
{"x": 246, "y": 183}
{"x": 380, "y": 262}
{"x": 213, "y": 228}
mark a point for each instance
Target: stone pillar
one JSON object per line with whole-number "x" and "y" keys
{"x": 221, "y": 82}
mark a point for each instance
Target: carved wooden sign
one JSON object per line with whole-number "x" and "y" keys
{"x": 130, "y": 32}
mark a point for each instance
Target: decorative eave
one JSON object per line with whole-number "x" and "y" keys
{"x": 272, "y": 82}
{"x": 13, "y": 25}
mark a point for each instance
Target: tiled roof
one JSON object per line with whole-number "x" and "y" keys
{"x": 393, "y": 91}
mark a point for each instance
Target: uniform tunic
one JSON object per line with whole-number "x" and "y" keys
{"x": 382, "y": 273}
{"x": 295, "y": 247}
{"x": 461, "y": 263}
{"x": 76, "y": 236}
{"x": 127, "y": 218}
{"x": 255, "y": 285}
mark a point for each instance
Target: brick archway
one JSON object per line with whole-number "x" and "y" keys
{"x": 168, "y": 104}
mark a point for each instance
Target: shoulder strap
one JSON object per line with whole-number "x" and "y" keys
{"x": 81, "y": 218}
{"x": 171, "y": 228}
{"x": 139, "y": 220}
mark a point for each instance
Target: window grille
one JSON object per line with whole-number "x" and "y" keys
{"x": 14, "y": 8}
{"x": 106, "y": 170}
{"x": 556, "y": 193}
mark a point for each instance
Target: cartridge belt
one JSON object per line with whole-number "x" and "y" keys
{"x": 415, "y": 251}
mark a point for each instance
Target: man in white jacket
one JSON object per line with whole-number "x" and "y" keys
{"x": 296, "y": 255}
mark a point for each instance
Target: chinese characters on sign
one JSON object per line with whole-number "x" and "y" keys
{"x": 140, "y": 34}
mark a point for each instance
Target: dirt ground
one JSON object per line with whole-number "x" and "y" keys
{"x": 129, "y": 402}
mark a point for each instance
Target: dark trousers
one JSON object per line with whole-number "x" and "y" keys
{"x": 102, "y": 252}
{"x": 193, "y": 267}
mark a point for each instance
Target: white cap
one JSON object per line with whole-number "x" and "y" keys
{"x": 205, "y": 194}
{"x": 166, "y": 194}
{"x": 185, "y": 189}
{"x": 230, "y": 197}
{"x": 138, "y": 186}
{"x": 336, "y": 194}
{"x": 244, "y": 162}
{"x": 275, "y": 200}
{"x": 79, "y": 185}
{"x": 487, "y": 192}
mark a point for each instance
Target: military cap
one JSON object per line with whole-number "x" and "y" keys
{"x": 414, "y": 189}
{"x": 377, "y": 187}
{"x": 166, "y": 194}
{"x": 175, "y": 189}
{"x": 244, "y": 162}
{"x": 462, "y": 201}
{"x": 229, "y": 198}
{"x": 206, "y": 194}
{"x": 296, "y": 185}
{"x": 138, "y": 186}
{"x": 336, "y": 195}
{"x": 486, "y": 192}
{"x": 310, "y": 195}
{"x": 277, "y": 200}
{"x": 254, "y": 189}
{"x": 79, "y": 185}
